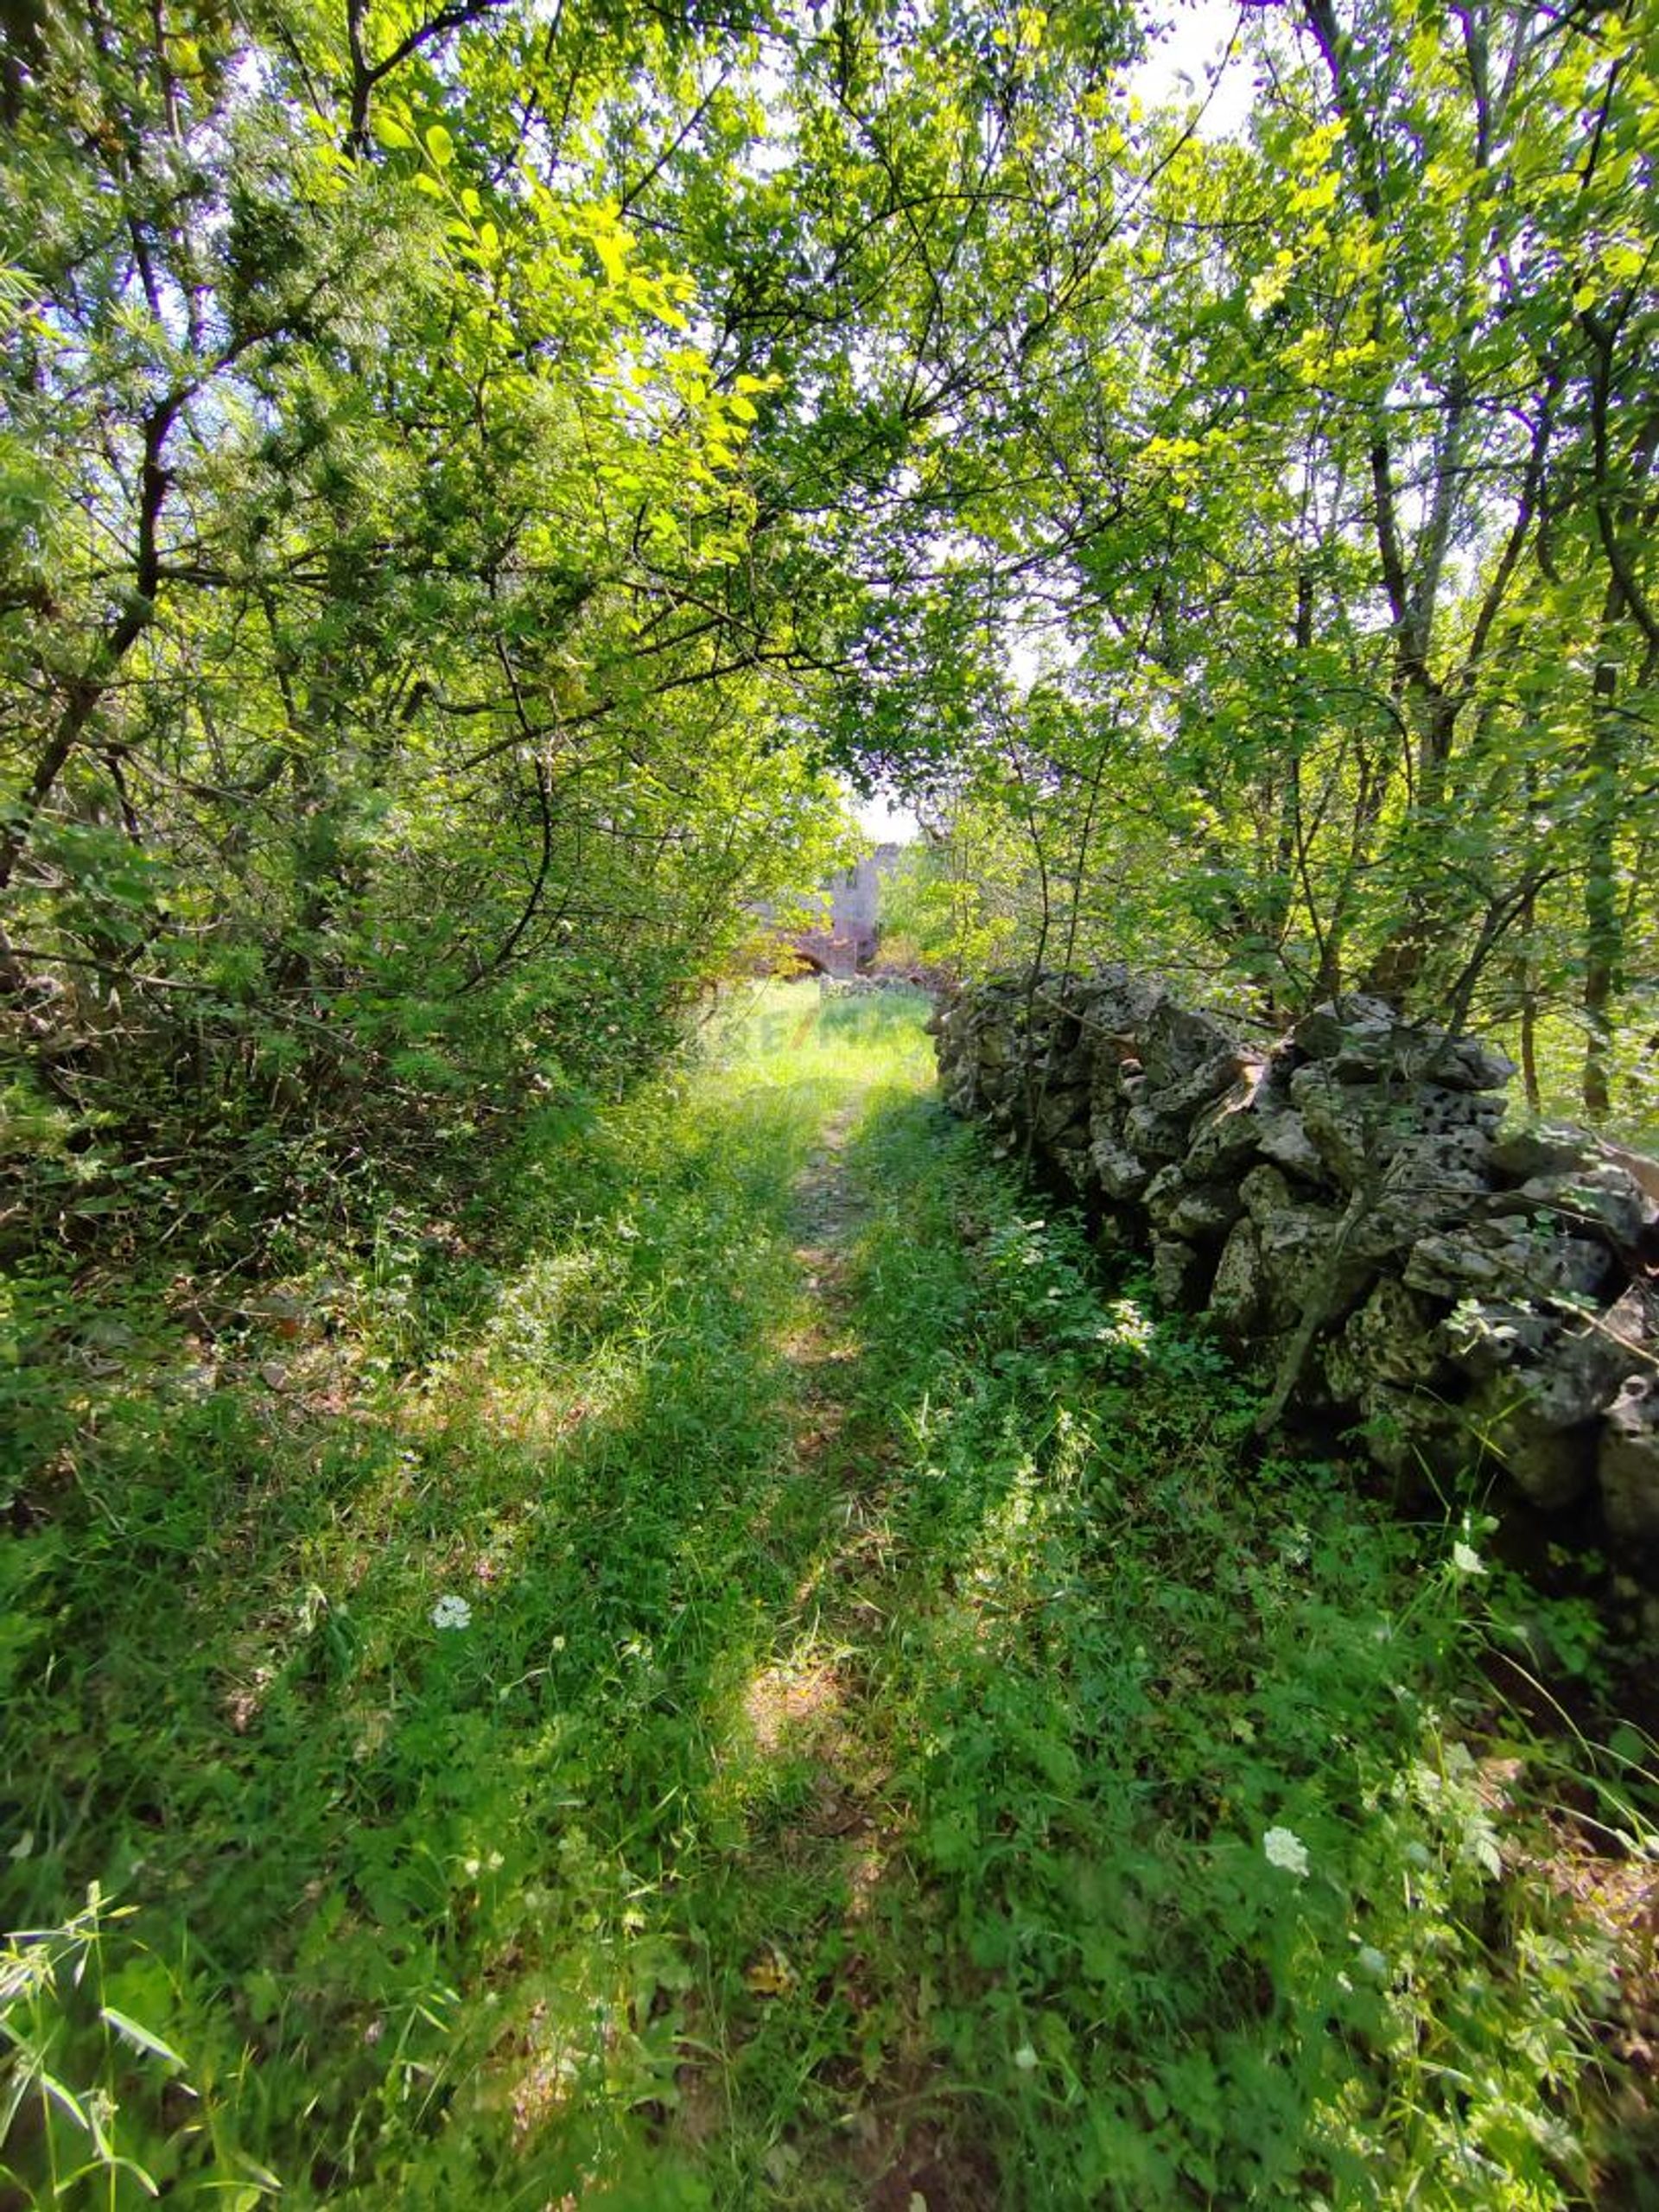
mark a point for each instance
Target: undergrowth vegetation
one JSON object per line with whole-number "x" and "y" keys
{"x": 735, "y": 1671}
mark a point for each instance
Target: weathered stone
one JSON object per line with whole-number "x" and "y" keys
{"x": 1236, "y": 1294}
{"x": 1347, "y": 1025}
{"x": 1484, "y": 1261}
{"x": 1201, "y": 1212}
{"x": 1343, "y": 1122}
{"x": 1541, "y": 1418}
{"x": 1067, "y": 1063}
{"x": 1121, "y": 1174}
{"x": 1627, "y": 1466}
{"x": 1227, "y": 1135}
{"x": 1272, "y": 1260}
{"x": 1428, "y": 1183}
{"x": 1549, "y": 1149}
{"x": 1411, "y": 1435}
{"x": 1466, "y": 1064}
{"x": 1071, "y": 1162}
{"x": 1284, "y": 1141}
{"x": 1635, "y": 1317}
{"x": 1105, "y": 1089}
{"x": 1576, "y": 1377}
{"x": 1485, "y": 1337}
{"x": 1356, "y": 1127}
{"x": 1206, "y": 1213}
{"x": 1476, "y": 1264}
{"x": 1114, "y": 1004}
{"x": 1389, "y": 1339}
{"x": 1153, "y": 1132}
{"x": 1059, "y": 1110}
{"x": 1442, "y": 1170}
{"x": 1639, "y": 1167}
{"x": 1296, "y": 1246}
{"x": 1177, "y": 1044}
{"x": 1185, "y": 1099}
{"x": 1159, "y": 1122}
{"x": 1551, "y": 1466}
{"x": 1180, "y": 1274}
{"x": 1600, "y": 1196}
{"x": 1264, "y": 1193}
{"x": 1363, "y": 1038}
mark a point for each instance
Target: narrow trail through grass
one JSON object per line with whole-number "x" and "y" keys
{"x": 747, "y": 1679}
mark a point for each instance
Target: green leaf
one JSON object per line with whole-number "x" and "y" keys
{"x": 140, "y": 2037}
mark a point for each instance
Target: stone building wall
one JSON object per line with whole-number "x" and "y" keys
{"x": 1347, "y": 1207}
{"x": 845, "y": 927}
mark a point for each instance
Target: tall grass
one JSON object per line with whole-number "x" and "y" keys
{"x": 736, "y": 1672}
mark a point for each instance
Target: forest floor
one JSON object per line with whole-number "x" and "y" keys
{"x": 736, "y": 1673}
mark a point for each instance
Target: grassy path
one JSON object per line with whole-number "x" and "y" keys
{"x": 779, "y": 1692}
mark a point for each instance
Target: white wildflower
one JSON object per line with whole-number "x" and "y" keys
{"x": 1285, "y": 1848}
{"x": 1371, "y": 1960}
{"x": 452, "y": 1612}
{"x": 1466, "y": 1560}
{"x": 1026, "y": 2059}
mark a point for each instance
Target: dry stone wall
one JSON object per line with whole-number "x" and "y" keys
{"x": 1347, "y": 1207}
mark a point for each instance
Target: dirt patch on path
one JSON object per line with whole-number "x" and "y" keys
{"x": 820, "y": 1349}
{"x": 894, "y": 2158}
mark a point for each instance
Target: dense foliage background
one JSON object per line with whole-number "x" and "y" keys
{"x": 464, "y": 475}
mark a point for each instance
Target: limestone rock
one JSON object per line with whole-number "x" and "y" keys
{"x": 1121, "y": 1174}
{"x": 1389, "y": 1339}
{"x": 1154, "y": 1132}
{"x": 1201, "y": 1212}
{"x": 1236, "y": 1294}
{"x": 1487, "y": 1259}
{"x": 1059, "y": 1110}
{"x": 1177, "y": 1044}
{"x": 1550, "y": 1466}
{"x": 1069, "y": 1160}
{"x": 1363, "y": 1038}
{"x": 1411, "y": 1435}
{"x": 1549, "y": 1149}
{"x": 1284, "y": 1141}
{"x": 1271, "y": 1260}
{"x": 1231, "y": 1132}
{"x": 1355, "y": 1126}
{"x": 1485, "y": 1337}
{"x": 1541, "y": 1418}
{"x": 1429, "y": 1183}
{"x": 1180, "y": 1274}
{"x": 1627, "y": 1466}
{"x": 1474, "y": 1306}
{"x": 1600, "y": 1196}
{"x": 1576, "y": 1378}
{"x": 1264, "y": 1193}
{"x": 1113, "y": 1001}
{"x": 1440, "y": 1173}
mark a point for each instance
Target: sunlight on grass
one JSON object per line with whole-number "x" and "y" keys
{"x": 773, "y": 1688}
